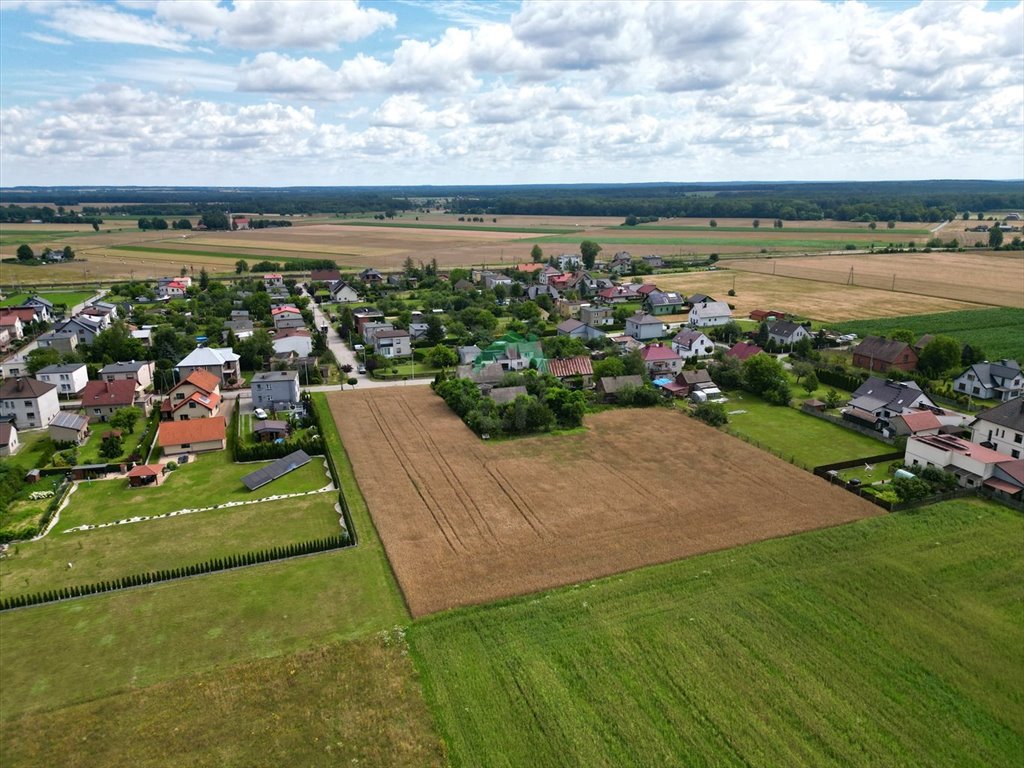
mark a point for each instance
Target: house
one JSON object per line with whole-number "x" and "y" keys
{"x": 365, "y": 315}
{"x": 502, "y": 395}
{"x": 626, "y": 344}
{"x": 239, "y": 222}
{"x": 145, "y": 335}
{"x": 101, "y": 399}
{"x": 690, "y": 343}
{"x": 568, "y": 260}
{"x": 877, "y": 353}
{"x": 566, "y": 307}
{"x": 100, "y": 317}
{"x": 578, "y": 330}
{"x": 371, "y": 276}
{"x": 68, "y": 427}
{"x": 923, "y": 342}
{"x": 222, "y": 363}
{"x": 324, "y": 276}
{"x": 710, "y": 313}
{"x": 609, "y": 386}
{"x": 882, "y": 399}
{"x": 8, "y": 439}
{"x": 766, "y": 315}
{"x": 142, "y": 475}
{"x": 786, "y": 333}
{"x": 69, "y": 379}
{"x": 298, "y": 341}
{"x": 276, "y": 390}
{"x": 663, "y": 303}
{"x": 621, "y": 263}
{"x": 691, "y": 381}
{"x": 548, "y": 272}
{"x": 173, "y": 289}
{"x": 287, "y": 317}
{"x": 643, "y": 327}
{"x": 492, "y": 280}
{"x": 468, "y": 354}
{"x": 393, "y": 343}
{"x": 45, "y": 307}
{"x": 654, "y": 262}
{"x": 139, "y": 371}
{"x": 269, "y": 430}
{"x": 1001, "y": 428}
{"x": 661, "y": 360}
{"x": 83, "y": 326}
{"x": 699, "y": 298}
{"x": 511, "y": 352}
{"x": 464, "y": 285}
{"x": 343, "y": 293}
{"x": 372, "y": 329}
{"x": 5, "y": 339}
{"x": 596, "y": 316}
{"x": 922, "y": 422}
{"x": 273, "y": 282}
{"x": 1007, "y": 480}
{"x": 13, "y": 325}
{"x": 196, "y": 405}
{"x": 32, "y": 403}
{"x": 200, "y": 382}
{"x": 743, "y": 350}
{"x": 618, "y": 294}
{"x": 570, "y": 367}
{"x": 192, "y": 436}
{"x": 64, "y": 342}
{"x": 14, "y": 366}
{"x": 972, "y": 464}
{"x": 242, "y": 328}
{"x": 1001, "y": 380}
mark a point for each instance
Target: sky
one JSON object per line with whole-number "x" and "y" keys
{"x": 351, "y": 92}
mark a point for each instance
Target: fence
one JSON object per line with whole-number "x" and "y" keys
{"x": 823, "y": 470}
{"x": 848, "y": 425}
{"x": 335, "y": 476}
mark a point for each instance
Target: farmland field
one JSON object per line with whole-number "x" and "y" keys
{"x": 824, "y": 301}
{"x": 998, "y": 332}
{"x": 464, "y": 521}
{"x": 984, "y": 278}
{"x": 891, "y": 641}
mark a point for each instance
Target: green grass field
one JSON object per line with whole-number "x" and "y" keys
{"x": 753, "y": 244}
{"x": 797, "y": 436}
{"x": 897, "y": 640}
{"x": 152, "y": 545}
{"x": 67, "y": 298}
{"x": 999, "y": 332}
{"x": 770, "y": 231}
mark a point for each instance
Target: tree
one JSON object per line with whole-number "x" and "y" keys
{"x": 215, "y": 220}
{"x": 903, "y": 334}
{"x": 25, "y": 253}
{"x": 204, "y": 279}
{"x": 125, "y": 418}
{"x": 40, "y": 358}
{"x": 612, "y": 366}
{"x": 435, "y": 328}
{"x": 761, "y": 372}
{"x": 891, "y": 224}
{"x": 568, "y": 406}
{"x": 757, "y": 223}
{"x": 761, "y": 339}
{"x": 802, "y": 369}
{"x": 111, "y": 447}
{"x": 727, "y": 333}
{"x": 442, "y": 357}
{"x": 811, "y": 382}
{"x": 995, "y": 236}
{"x": 95, "y": 226}
{"x": 564, "y": 346}
{"x": 255, "y": 349}
{"x": 938, "y": 356}
{"x": 536, "y": 254}
{"x": 69, "y": 254}
{"x": 832, "y": 399}
{"x": 713, "y": 223}
{"x": 589, "y": 250}
{"x": 241, "y": 266}
{"x": 711, "y": 413}
{"x": 872, "y": 225}
{"x": 971, "y": 355}
{"x": 181, "y": 224}
{"x": 728, "y": 374}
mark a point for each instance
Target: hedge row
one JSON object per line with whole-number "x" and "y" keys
{"x": 153, "y": 577}
{"x": 848, "y": 381}
{"x": 311, "y": 444}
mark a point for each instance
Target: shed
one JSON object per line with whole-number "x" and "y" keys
{"x": 145, "y": 474}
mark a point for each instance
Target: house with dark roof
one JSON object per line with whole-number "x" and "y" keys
{"x": 1001, "y": 380}
{"x": 786, "y": 333}
{"x": 29, "y": 402}
{"x": 691, "y": 381}
{"x": 609, "y": 386}
{"x": 690, "y": 343}
{"x": 881, "y": 399}
{"x": 502, "y": 395}
{"x": 269, "y": 430}
{"x": 1001, "y": 428}
{"x": 139, "y": 371}
{"x": 68, "y": 427}
{"x": 698, "y": 298}
{"x": 371, "y": 276}
{"x": 877, "y": 353}
{"x": 643, "y": 327}
{"x": 62, "y": 341}
{"x": 664, "y": 303}
{"x": 578, "y": 330}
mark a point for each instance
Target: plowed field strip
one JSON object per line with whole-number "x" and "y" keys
{"x": 515, "y": 498}
{"x": 403, "y": 460}
{"x": 641, "y": 490}
{"x": 446, "y": 471}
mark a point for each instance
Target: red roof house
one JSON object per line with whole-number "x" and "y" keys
{"x": 744, "y": 350}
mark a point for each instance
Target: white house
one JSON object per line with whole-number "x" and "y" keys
{"x": 690, "y": 343}
{"x": 973, "y": 464}
{"x": 1001, "y": 380}
{"x": 12, "y": 324}
{"x": 785, "y": 333}
{"x": 222, "y": 363}
{"x": 578, "y": 330}
{"x": 172, "y": 289}
{"x": 297, "y": 341}
{"x": 31, "y": 402}
{"x": 69, "y": 379}
{"x": 275, "y": 389}
{"x": 273, "y": 281}
{"x": 287, "y": 317}
{"x": 643, "y": 327}
{"x": 139, "y": 371}
{"x": 343, "y": 293}
{"x": 710, "y": 313}
{"x": 393, "y": 343}
{"x": 86, "y": 328}
{"x": 1001, "y": 428}
{"x": 8, "y": 439}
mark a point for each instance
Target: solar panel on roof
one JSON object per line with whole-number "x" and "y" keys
{"x": 271, "y": 472}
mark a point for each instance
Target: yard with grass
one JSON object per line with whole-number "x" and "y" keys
{"x": 66, "y": 298}
{"x": 89, "y": 451}
{"x": 794, "y": 435}
{"x": 210, "y": 479}
{"x": 152, "y": 545}
{"x": 891, "y": 641}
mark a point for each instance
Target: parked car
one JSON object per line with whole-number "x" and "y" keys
{"x": 260, "y": 414}
{"x": 361, "y": 369}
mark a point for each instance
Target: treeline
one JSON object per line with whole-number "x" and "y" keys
{"x": 152, "y": 577}
{"x": 16, "y": 214}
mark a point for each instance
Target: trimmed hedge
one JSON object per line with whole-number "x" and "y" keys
{"x": 153, "y": 577}
{"x": 848, "y": 381}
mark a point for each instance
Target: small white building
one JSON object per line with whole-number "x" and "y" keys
{"x": 786, "y": 333}
{"x": 973, "y": 464}
{"x": 690, "y": 343}
{"x": 1001, "y": 428}
{"x": 644, "y": 327}
{"x": 710, "y": 313}
{"x": 70, "y": 379}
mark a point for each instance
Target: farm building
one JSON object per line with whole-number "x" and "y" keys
{"x": 502, "y": 395}
{"x": 608, "y": 386}
{"x": 570, "y": 367}
{"x": 766, "y": 315}
{"x": 876, "y": 353}
{"x": 691, "y": 381}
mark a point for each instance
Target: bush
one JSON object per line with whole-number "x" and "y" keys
{"x": 711, "y": 413}
{"x": 909, "y": 489}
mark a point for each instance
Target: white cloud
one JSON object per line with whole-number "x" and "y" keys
{"x": 48, "y": 39}
{"x": 106, "y": 25}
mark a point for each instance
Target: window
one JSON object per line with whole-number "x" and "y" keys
{"x": 975, "y": 390}
{"x": 186, "y": 445}
{"x": 1018, "y": 437}
{"x": 1015, "y": 453}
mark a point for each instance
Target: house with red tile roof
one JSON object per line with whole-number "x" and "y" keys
{"x": 100, "y": 399}
{"x": 569, "y": 367}
{"x": 744, "y": 350}
{"x": 661, "y": 360}
{"x": 192, "y": 436}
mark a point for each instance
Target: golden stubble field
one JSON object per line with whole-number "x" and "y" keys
{"x": 464, "y": 521}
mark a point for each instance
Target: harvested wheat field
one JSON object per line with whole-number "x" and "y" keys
{"x": 464, "y": 521}
{"x": 824, "y": 301}
{"x": 986, "y": 278}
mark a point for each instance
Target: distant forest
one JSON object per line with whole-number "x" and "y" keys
{"x": 846, "y": 201}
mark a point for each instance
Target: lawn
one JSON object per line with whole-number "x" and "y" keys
{"x": 210, "y": 479}
{"x": 67, "y": 298}
{"x": 36, "y": 448}
{"x": 153, "y": 545}
{"x": 891, "y": 641}
{"x": 797, "y": 436}
{"x": 89, "y": 451}
{"x": 998, "y": 332}
{"x": 121, "y": 641}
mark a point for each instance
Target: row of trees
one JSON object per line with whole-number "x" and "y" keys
{"x": 25, "y": 254}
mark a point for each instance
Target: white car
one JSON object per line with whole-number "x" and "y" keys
{"x": 260, "y": 413}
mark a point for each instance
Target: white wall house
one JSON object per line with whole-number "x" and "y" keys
{"x": 690, "y": 343}
{"x": 644, "y": 327}
{"x": 710, "y": 313}
{"x": 69, "y": 379}
{"x": 31, "y": 402}
{"x": 1001, "y": 428}
{"x": 1001, "y": 380}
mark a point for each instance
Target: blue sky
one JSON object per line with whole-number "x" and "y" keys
{"x": 346, "y": 92}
